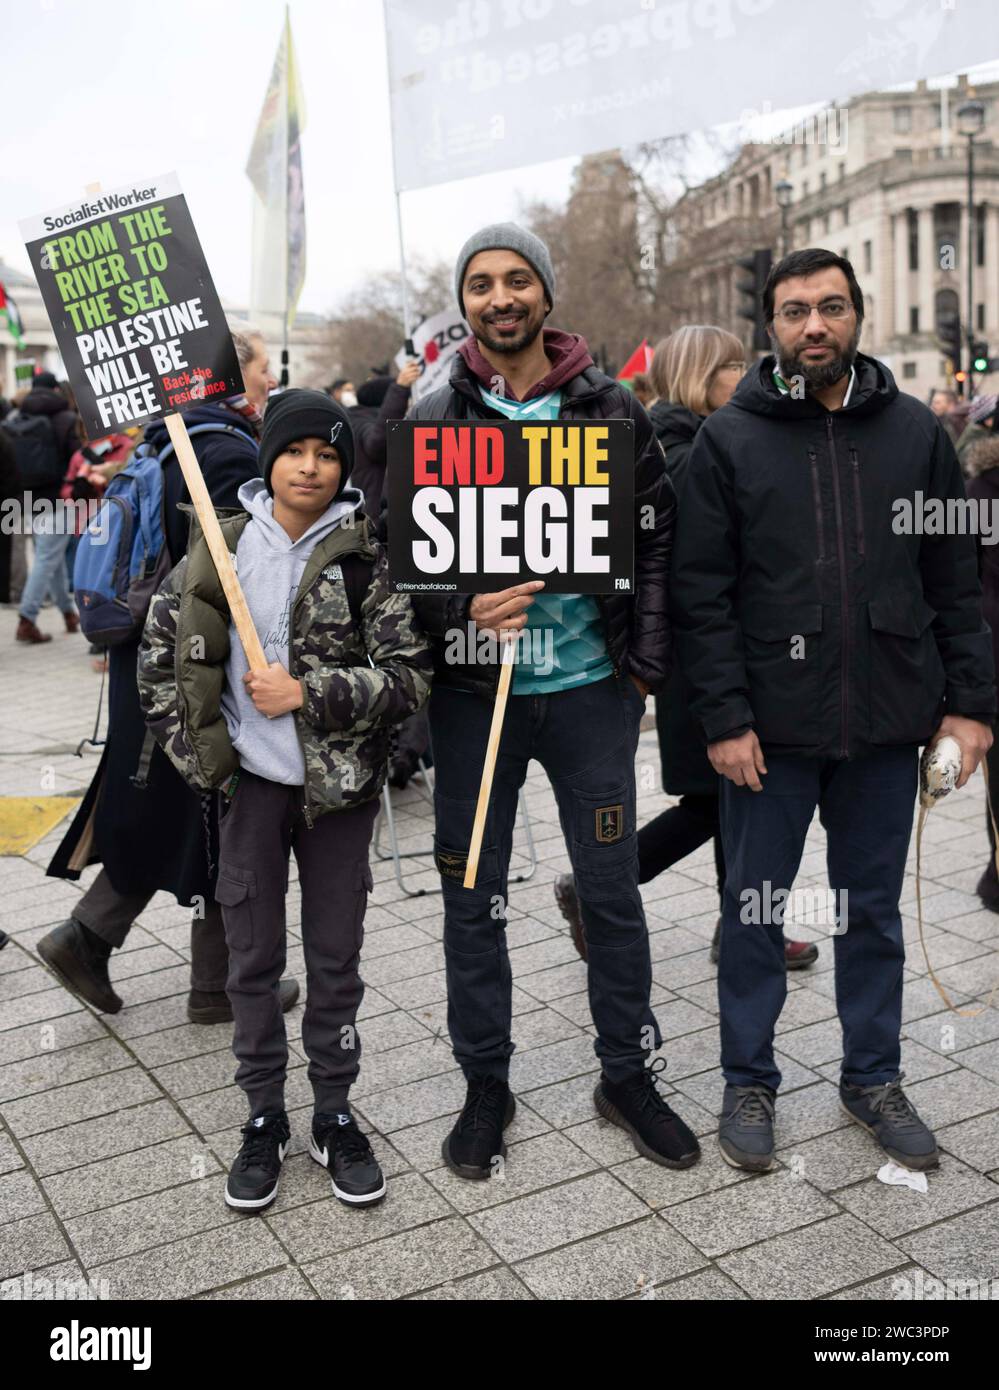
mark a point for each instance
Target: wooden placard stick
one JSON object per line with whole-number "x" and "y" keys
{"x": 212, "y": 532}
{"x": 507, "y": 659}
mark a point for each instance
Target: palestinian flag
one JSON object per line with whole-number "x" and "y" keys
{"x": 9, "y": 317}
{"x": 639, "y": 361}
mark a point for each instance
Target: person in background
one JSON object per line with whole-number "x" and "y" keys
{"x": 90, "y": 470}
{"x": 10, "y": 488}
{"x": 49, "y": 450}
{"x": 139, "y": 820}
{"x": 693, "y": 373}
{"x": 644, "y": 390}
{"x": 980, "y": 422}
{"x": 342, "y": 390}
{"x": 982, "y": 474}
{"x": 942, "y": 401}
{"x": 379, "y": 400}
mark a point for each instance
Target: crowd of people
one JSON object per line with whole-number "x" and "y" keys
{"x": 800, "y": 649}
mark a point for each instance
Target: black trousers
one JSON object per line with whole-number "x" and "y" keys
{"x": 110, "y": 915}
{"x": 675, "y": 833}
{"x": 263, "y": 825}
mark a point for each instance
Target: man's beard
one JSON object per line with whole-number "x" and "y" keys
{"x": 817, "y": 375}
{"x": 522, "y": 340}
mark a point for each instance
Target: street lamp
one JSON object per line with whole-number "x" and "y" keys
{"x": 783, "y": 190}
{"x": 970, "y": 122}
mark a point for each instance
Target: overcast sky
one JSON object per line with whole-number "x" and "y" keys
{"x": 122, "y": 90}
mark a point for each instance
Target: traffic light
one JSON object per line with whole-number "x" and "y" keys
{"x": 757, "y": 264}
{"x": 980, "y": 357}
{"x": 949, "y": 337}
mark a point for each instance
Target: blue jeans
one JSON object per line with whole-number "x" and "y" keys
{"x": 866, "y": 807}
{"x": 48, "y": 572}
{"x": 585, "y": 739}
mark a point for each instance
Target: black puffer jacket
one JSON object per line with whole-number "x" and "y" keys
{"x": 799, "y": 609}
{"x": 636, "y": 627}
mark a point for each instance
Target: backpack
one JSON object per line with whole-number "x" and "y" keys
{"x": 356, "y": 579}
{"x": 36, "y": 451}
{"x": 122, "y": 558}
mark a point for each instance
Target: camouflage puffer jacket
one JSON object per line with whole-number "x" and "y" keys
{"x": 349, "y": 702}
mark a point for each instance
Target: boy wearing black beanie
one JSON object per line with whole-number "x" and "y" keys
{"x": 300, "y": 752}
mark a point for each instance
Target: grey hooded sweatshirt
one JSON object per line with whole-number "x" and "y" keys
{"x": 269, "y": 566}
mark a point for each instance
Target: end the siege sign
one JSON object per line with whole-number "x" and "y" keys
{"x": 136, "y": 316}
{"x": 478, "y": 506}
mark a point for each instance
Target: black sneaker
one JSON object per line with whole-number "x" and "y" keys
{"x": 746, "y": 1128}
{"x": 341, "y": 1148}
{"x": 638, "y": 1107}
{"x": 567, "y": 901}
{"x": 253, "y": 1178}
{"x": 80, "y": 959}
{"x": 477, "y": 1137}
{"x": 889, "y": 1114}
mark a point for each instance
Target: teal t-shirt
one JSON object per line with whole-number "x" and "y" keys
{"x": 563, "y": 643}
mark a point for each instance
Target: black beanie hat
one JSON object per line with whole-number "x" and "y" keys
{"x": 298, "y": 414}
{"x": 373, "y": 391}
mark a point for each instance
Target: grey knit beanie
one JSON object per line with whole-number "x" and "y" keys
{"x": 506, "y": 236}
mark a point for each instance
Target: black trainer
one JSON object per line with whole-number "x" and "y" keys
{"x": 476, "y": 1139}
{"x": 256, "y": 1170}
{"x": 746, "y": 1128}
{"x": 80, "y": 959}
{"x": 341, "y": 1148}
{"x": 567, "y": 902}
{"x": 889, "y": 1114}
{"x": 638, "y": 1107}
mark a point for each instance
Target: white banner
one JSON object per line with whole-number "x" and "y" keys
{"x": 482, "y": 85}
{"x": 436, "y": 341}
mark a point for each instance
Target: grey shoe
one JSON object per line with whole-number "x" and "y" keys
{"x": 889, "y": 1114}
{"x": 746, "y": 1128}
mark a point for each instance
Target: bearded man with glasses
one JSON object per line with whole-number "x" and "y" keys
{"x": 823, "y": 645}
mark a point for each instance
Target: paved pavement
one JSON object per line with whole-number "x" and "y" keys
{"x": 115, "y": 1131}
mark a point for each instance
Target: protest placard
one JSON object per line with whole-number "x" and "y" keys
{"x": 132, "y": 304}
{"x": 141, "y": 331}
{"x": 435, "y": 342}
{"x": 478, "y": 506}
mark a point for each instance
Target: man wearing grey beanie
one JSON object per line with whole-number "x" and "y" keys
{"x": 578, "y": 714}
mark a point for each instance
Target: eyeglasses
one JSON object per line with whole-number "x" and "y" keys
{"x": 830, "y": 309}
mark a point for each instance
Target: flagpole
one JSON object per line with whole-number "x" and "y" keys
{"x": 289, "y": 75}
{"x": 407, "y": 321}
